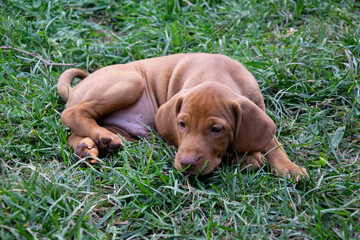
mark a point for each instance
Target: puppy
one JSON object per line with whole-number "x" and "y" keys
{"x": 207, "y": 105}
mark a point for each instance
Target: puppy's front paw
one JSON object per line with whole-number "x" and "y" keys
{"x": 87, "y": 148}
{"x": 292, "y": 171}
{"x": 252, "y": 161}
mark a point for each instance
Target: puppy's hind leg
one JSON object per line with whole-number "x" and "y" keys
{"x": 118, "y": 90}
{"x": 84, "y": 147}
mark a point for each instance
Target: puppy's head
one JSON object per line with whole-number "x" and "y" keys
{"x": 207, "y": 121}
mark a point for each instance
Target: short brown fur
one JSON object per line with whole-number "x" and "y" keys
{"x": 207, "y": 105}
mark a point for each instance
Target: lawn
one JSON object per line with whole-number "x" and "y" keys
{"x": 305, "y": 55}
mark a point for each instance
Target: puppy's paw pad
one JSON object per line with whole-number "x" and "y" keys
{"x": 87, "y": 148}
{"x": 111, "y": 143}
{"x": 113, "y": 146}
{"x": 106, "y": 140}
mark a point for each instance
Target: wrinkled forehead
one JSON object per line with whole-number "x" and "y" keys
{"x": 204, "y": 103}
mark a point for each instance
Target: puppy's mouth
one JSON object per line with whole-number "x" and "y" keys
{"x": 196, "y": 171}
{"x": 196, "y": 167}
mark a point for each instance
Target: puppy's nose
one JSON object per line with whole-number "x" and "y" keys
{"x": 188, "y": 162}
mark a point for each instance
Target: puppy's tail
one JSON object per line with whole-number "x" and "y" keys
{"x": 65, "y": 79}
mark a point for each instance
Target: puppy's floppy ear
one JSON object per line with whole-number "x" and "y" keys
{"x": 165, "y": 119}
{"x": 254, "y": 129}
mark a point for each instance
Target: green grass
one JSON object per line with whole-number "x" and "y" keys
{"x": 305, "y": 55}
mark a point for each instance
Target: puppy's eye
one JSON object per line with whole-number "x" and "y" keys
{"x": 216, "y": 129}
{"x": 182, "y": 124}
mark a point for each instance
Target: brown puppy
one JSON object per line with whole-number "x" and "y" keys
{"x": 206, "y": 105}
